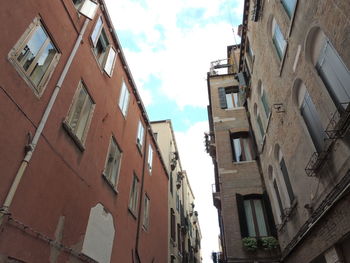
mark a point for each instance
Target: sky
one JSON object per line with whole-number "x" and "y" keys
{"x": 168, "y": 46}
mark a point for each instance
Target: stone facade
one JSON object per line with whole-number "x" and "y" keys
{"x": 295, "y": 60}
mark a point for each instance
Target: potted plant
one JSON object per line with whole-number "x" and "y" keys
{"x": 250, "y": 243}
{"x": 269, "y": 243}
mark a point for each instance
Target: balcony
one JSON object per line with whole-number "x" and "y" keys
{"x": 336, "y": 129}
{"x": 339, "y": 122}
{"x": 210, "y": 147}
{"x": 216, "y": 197}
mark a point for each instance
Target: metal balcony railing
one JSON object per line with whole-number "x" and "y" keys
{"x": 339, "y": 122}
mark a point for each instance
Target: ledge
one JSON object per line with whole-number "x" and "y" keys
{"x": 110, "y": 184}
{"x": 75, "y": 139}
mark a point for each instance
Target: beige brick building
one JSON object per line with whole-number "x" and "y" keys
{"x": 294, "y": 85}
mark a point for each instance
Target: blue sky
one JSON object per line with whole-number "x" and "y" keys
{"x": 169, "y": 46}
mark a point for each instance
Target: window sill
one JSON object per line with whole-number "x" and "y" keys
{"x": 287, "y": 215}
{"x": 132, "y": 213}
{"x": 139, "y": 148}
{"x": 244, "y": 162}
{"x": 144, "y": 228}
{"x": 110, "y": 184}
{"x": 236, "y": 108}
{"x": 75, "y": 139}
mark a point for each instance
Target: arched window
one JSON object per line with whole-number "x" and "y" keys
{"x": 284, "y": 172}
{"x": 278, "y": 39}
{"x": 310, "y": 115}
{"x": 276, "y": 193}
{"x": 259, "y": 123}
{"x": 329, "y": 66}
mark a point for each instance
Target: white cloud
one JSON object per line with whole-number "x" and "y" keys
{"x": 185, "y": 59}
{"x": 200, "y": 171}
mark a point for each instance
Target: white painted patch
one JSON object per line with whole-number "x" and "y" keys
{"x": 99, "y": 236}
{"x": 296, "y": 58}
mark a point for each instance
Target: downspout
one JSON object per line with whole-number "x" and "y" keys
{"x": 39, "y": 130}
{"x": 141, "y": 199}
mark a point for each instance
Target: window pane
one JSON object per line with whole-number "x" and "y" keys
{"x": 237, "y": 150}
{"x": 84, "y": 118}
{"x": 261, "y": 128}
{"x": 43, "y": 63}
{"x": 134, "y": 195}
{"x": 335, "y": 75}
{"x": 278, "y": 39}
{"x": 249, "y": 217}
{"x": 76, "y": 109}
{"x": 260, "y": 217}
{"x": 313, "y": 122}
{"x": 29, "y": 52}
{"x": 229, "y": 100}
{"x": 289, "y": 5}
{"x": 235, "y": 99}
{"x": 96, "y": 31}
{"x": 265, "y": 103}
{"x": 146, "y": 212}
{"x": 247, "y": 151}
{"x": 286, "y": 180}
{"x": 150, "y": 158}
{"x": 77, "y": 3}
{"x": 110, "y": 61}
{"x": 140, "y": 134}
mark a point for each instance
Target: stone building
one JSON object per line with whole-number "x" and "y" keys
{"x": 81, "y": 179}
{"x": 294, "y": 72}
{"x": 184, "y": 231}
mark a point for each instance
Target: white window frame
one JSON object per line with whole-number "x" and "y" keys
{"x": 150, "y": 158}
{"x": 113, "y": 176}
{"x": 140, "y": 135}
{"x": 146, "y": 212}
{"x": 67, "y": 122}
{"x": 15, "y": 52}
{"x": 134, "y": 195}
{"x": 124, "y": 98}
{"x": 110, "y": 54}
{"x": 279, "y": 45}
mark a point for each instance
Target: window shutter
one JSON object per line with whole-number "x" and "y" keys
{"x": 335, "y": 75}
{"x": 242, "y": 216}
{"x": 286, "y": 180}
{"x": 313, "y": 122}
{"x": 271, "y": 221}
{"x": 222, "y": 98}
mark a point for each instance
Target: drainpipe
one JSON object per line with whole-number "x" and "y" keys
{"x": 141, "y": 199}
{"x": 39, "y": 130}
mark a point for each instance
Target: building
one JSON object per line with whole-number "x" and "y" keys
{"x": 184, "y": 231}
{"x": 293, "y": 71}
{"x": 82, "y": 179}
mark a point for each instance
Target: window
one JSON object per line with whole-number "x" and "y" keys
{"x": 312, "y": 121}
{"x": 335, "y": 75}
{"x": 287, "y": 180}
{"x": 172, "y": 224}
{"x": 35, "y": 56}
{"x": 255, "y": 215}
{"x": 241, "y": 147}
{"x": 150, "y": 158}
{"x": 77, "y": 3}
{"x": 124, "y": 99}
{"x": 177, "y": 202}
{"x": 111, "y": 170}
{"x": 155, "y": 134}
{"x": 229, "y": 98}
{"x": 103, "y": 50}
{"x": 276, "y": 194}
{"x": 260, "y": 126}
{"x": 278, "y": 39}
{"x": 80, "y": 114}
{"x": 139, "y": 139}
{"x": 289, "y": 6}
{"x": 134, "y": 195}
{"x": 146, "y": 212}
{"x": 265, "y": 103}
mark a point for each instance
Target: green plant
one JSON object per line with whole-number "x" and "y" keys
{"x": 250, "y": 243}
{"x": 269, "y": 243}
